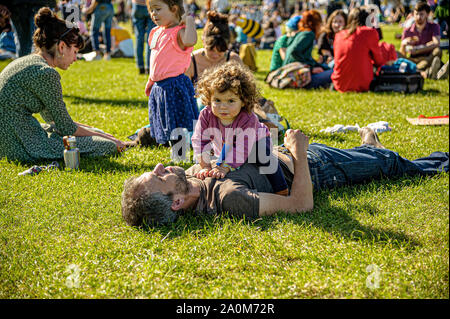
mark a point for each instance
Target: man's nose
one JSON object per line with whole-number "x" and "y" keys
{"x": 159, "y": 169}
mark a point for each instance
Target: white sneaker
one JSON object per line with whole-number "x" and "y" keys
{"x": 434, "y": 68}
{"x": 443, "y": 72}
{"x": 107, "y": 57}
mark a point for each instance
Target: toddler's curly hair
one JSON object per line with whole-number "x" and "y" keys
{"x": 232, "y": 76}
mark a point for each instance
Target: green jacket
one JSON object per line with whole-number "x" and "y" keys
{"x": 282, "y": 42}
{"x": 300, "y": 49}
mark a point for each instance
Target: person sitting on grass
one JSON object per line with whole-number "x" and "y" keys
{"x": 301, "y": 47}
{"x": 216, "y": 46}
{"x": 7, "y": 45}
{"x": 121, "y": 41}
{"x": 421, "y": 42}
{"x": 356, "y": 52}
{"x": 279, "y": 48}
{"x": 159, "y": 196}
{"x": 336, "y": 22}
{"x": 31, "y": 84}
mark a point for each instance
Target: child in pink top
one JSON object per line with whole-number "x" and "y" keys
{"x": 171, "y": 94}
{"x": 228, "y": 127}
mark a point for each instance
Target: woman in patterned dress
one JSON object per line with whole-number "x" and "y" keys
{"x": 31, "y": 85}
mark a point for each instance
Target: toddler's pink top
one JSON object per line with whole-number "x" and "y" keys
{"x": 167, "y": 59}
{"x": 242, "y": 134}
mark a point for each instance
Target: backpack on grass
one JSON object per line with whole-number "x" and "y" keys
{"x": 292, "y": 75}
{"x": 397, "y": 82}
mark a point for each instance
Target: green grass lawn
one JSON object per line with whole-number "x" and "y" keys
{"x": 62, "y": 234}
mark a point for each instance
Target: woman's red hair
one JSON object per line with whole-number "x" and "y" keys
{"x": 310, "y": 20}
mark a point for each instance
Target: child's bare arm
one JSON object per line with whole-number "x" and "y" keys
{"x": 187, "y": 37}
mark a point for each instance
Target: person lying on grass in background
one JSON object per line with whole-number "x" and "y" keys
{"x": 159, "y": 196}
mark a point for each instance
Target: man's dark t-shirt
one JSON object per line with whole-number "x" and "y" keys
{"x": 237, "y": 193}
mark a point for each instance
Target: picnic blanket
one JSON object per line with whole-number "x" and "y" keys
{"x": 431, "y": 120}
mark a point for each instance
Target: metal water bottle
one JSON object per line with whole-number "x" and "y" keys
{"x": 71, "y": 152}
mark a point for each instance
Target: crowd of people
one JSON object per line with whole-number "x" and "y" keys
{"x": 228, "y": 135}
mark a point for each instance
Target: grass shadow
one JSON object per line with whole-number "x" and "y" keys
{"x": 339, "y": 137}
{"x": 326, "y": 216}
{"x": 339, "y": 220}
{"x": 114, "y": 102}
{"x": 432, "y": 92}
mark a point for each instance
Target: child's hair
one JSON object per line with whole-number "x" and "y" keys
{"x": 328, "y": 28}
{"x": 171, "y": 3}
{"x": 216, "y": 33}
{"x": 51, "y": 29}
{"x": 232, "y": 76}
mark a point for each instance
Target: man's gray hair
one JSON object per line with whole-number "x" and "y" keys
{"x": 140, "y": 207}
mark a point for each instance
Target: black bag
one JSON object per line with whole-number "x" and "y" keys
{"x": 397, "y": 82}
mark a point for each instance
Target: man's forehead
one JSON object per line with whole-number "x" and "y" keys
{"x": 145, "y": 176}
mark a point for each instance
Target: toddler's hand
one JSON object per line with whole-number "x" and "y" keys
{"x": 203, "y": 173}
{"x": 148, "y": 87}
{"x": 219, "y": 172}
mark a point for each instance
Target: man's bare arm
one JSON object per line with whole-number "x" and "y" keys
{"x": 430, "y": 46}
{"x": 301, "y": 196}
{"x": 415, "y": 50}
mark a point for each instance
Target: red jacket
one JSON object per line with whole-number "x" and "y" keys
{"x": 354, "y": 58}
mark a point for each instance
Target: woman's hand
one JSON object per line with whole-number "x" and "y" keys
{"x": 123, "y": 145}
{"x": 316, "y": 70}
{"x": 91, "y": 8}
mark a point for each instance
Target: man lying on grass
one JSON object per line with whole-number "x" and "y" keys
{"x": 158, "y": 197}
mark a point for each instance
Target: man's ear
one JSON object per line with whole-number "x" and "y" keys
{"x": 178, "y": 202}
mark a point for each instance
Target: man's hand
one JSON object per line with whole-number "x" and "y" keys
{"x": 301, "y": 196}
{"x": 296, "y": 142}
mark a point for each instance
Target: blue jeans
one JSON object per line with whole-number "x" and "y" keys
{"x": 143, "y": 24}
{"x": 102, "y": 14}
{"x": 331, "y": 167}
{"x": 318, "y": 80}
